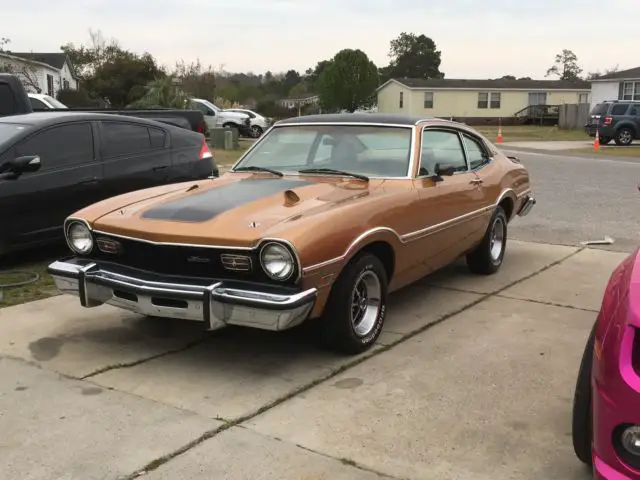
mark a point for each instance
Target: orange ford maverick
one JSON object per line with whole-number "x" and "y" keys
{"x": 320, "y": 219}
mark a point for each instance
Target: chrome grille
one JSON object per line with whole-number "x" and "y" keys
{"x": 236, "y": 263}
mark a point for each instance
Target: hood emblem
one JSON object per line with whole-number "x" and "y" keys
{"x": 122, "y": 211}
{"x": 254, "y": 224}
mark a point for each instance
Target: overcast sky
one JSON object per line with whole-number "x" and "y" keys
{"x": 478, "y": 39}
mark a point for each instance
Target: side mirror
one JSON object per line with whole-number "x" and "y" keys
{"x": 444, "y": 169}
{"x": 27, "y": 163}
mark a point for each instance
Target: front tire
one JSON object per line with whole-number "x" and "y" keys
{"x": 357, "y": 306}
{"x": 256, "y": 131}
{"x": 487, "y": 258}
{"x": 581, "y": 424}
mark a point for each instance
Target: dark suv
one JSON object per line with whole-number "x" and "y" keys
{"x": 616, "y": 120}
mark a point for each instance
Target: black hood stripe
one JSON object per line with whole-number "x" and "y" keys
{"x": 203, "y": 206}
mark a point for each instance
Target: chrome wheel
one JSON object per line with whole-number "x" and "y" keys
{"x": 365, "y": 303}
{"x": 496, "y": 240}
{"x": 625, "y": 136}
{"x": 256, "y": 131}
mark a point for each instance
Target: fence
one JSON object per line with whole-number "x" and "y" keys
{"x": 573, "y": 116}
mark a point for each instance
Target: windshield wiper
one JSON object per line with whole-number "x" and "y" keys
{"x": 258, "y": 169}
{"x": 331, "y": 171}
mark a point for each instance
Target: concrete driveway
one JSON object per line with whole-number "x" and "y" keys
{"x": 473, "y": 378}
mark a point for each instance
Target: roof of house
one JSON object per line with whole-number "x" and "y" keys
{"x": 631, "y": 73}
{"x": 56, "y": 59}
{"x": 486, "y": 84}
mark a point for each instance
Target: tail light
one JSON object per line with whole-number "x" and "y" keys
{"x": 201, "y": 127}
{"x": 608, "y": 120}
{"x": 204, "y": 150}
{"x": 635, "y": 353}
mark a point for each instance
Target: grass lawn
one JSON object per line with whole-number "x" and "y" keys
{"x": 226, "y": 158}
{"x": 630, "y": 151}
{"x": 42, "y": 288}
{"x": 531, "y": 133}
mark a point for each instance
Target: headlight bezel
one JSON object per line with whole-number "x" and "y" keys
{"x": 290, "y": 251}
{"x": 75, "y": 222}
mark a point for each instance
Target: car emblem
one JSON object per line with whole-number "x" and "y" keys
{"x": 107, "y": 245}
{"x": 198, "y": 259}
{"x": 238, "y": 263}
{"x": 121, "y": 212}
{"x": 254, "y": 225}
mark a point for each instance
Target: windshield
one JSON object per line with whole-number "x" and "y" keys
{"x": 374, "y": 151}
{"x": 53, "y": 102}
{"x": 8, "y": 130}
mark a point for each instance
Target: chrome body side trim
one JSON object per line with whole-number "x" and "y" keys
{"x": 216, "y": 304}
{"x": 418, "y": 234}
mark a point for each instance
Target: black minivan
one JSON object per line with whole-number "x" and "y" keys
{"x": 54, "y": 163}
{"x": 615, "y": 120}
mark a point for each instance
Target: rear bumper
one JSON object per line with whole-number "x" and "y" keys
{"x": 527, "y": 204}
{"x": 217, "y": 304}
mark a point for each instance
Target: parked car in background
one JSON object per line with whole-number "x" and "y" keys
{"x": 259, "y": 124}
{"x": 606, "y": 407}
{"x": 217, "y": 118}
{"x": 616, "y": 120}
{"x": 84, "y": 158}
{"x": 14, "y": 100}
{"x": 320, "y": 219}
{"x": 40, "y": 101}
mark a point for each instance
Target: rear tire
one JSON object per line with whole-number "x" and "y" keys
{"x": 487, "y": 258}
{"x": 256, "y": 131}
{"x": 582, "y": 421}
{"x": 624, "y": 136}
{"x": 357, "y": 306}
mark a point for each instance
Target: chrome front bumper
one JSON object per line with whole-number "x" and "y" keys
{"x": 216, "y": 304}
{"x": 527, "y": 205}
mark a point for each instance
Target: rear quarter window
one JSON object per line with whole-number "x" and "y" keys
{"x": 619, "y": 109}
{"x": 600, "y": 109}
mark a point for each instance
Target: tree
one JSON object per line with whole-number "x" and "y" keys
{"x": 25, "y": 72}
{"x": 413, "y": 56}
{"x": 196, "y": 81}
{"x": 566, "y": 66}
{"x": 597, "y": 74}
{"x": 3, "y": 42}
{"x": 348, "y": 81}
{"x": 163, "y": 92}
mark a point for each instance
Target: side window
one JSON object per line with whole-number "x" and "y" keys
{"x": 8, "y": 103}
{"x": 619, "y": 109}
{"x": 37, "y": 104}
{"x": 60, "y": 147}
{"x": 635, "y": 111}
{"x": 124, "y": 139}
{"x": 476, "y": 155}
{"x": 443, "y": 147}
{"x": 203, "y": 108}
{"x": 157, "y": 137}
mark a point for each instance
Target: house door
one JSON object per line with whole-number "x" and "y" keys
{"x": 538, "y": 98}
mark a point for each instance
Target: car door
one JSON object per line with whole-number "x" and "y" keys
{"x": 452, "y": 205}
{"x": 134, "y": 156}
{"x": 634, "y": 113}
{"x": 210, "y": 116}
{"x": 68, "y": 180}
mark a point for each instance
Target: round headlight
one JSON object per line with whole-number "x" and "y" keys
{"x": 277, "y": 261}
{"x": 80, "y": 238}
{"x": 631, "y": 440}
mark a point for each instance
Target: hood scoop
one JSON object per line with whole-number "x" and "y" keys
{"x": 291, "y": 198}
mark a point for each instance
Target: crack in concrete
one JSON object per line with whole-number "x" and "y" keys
{"x": 135, "y": 363}
{"x": 551, "y": 304}
{"x": 153, "y": 465}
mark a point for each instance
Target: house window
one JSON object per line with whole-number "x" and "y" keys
{"x": 50, "y": 85}
{"x": 401, "y": 99}
{"x": 483, "y": 100}
{"x": 495, "y": 99}
{"x": 428, "y": 99}
{"x": 583, "y": 98}
{"x": 537, "y": 98}
{"x": 65, "y": 84}
{"x": 630, "y": 91}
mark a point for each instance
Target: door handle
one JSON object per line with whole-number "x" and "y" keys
{"x": 89, "y": 181}
{"x": 162, "y": 167}
{"x": 476, "y": 181}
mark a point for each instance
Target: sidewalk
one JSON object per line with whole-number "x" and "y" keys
{"x": 473, "y": 378}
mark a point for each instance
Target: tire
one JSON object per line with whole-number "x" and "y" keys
{"x": 582, "y": 421}
{"x": 624, "y": 136}
{"x": 339, "y": 331}
{"x": 488, "y": 257}
{"x": 256, "y": 131}
{"x": 605, "y": 140}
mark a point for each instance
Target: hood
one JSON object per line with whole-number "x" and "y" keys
{"x": 235, "y": 209}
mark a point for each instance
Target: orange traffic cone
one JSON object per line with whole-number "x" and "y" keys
{"x": 499, "y": 134}
{"x": 596, "y": 142}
